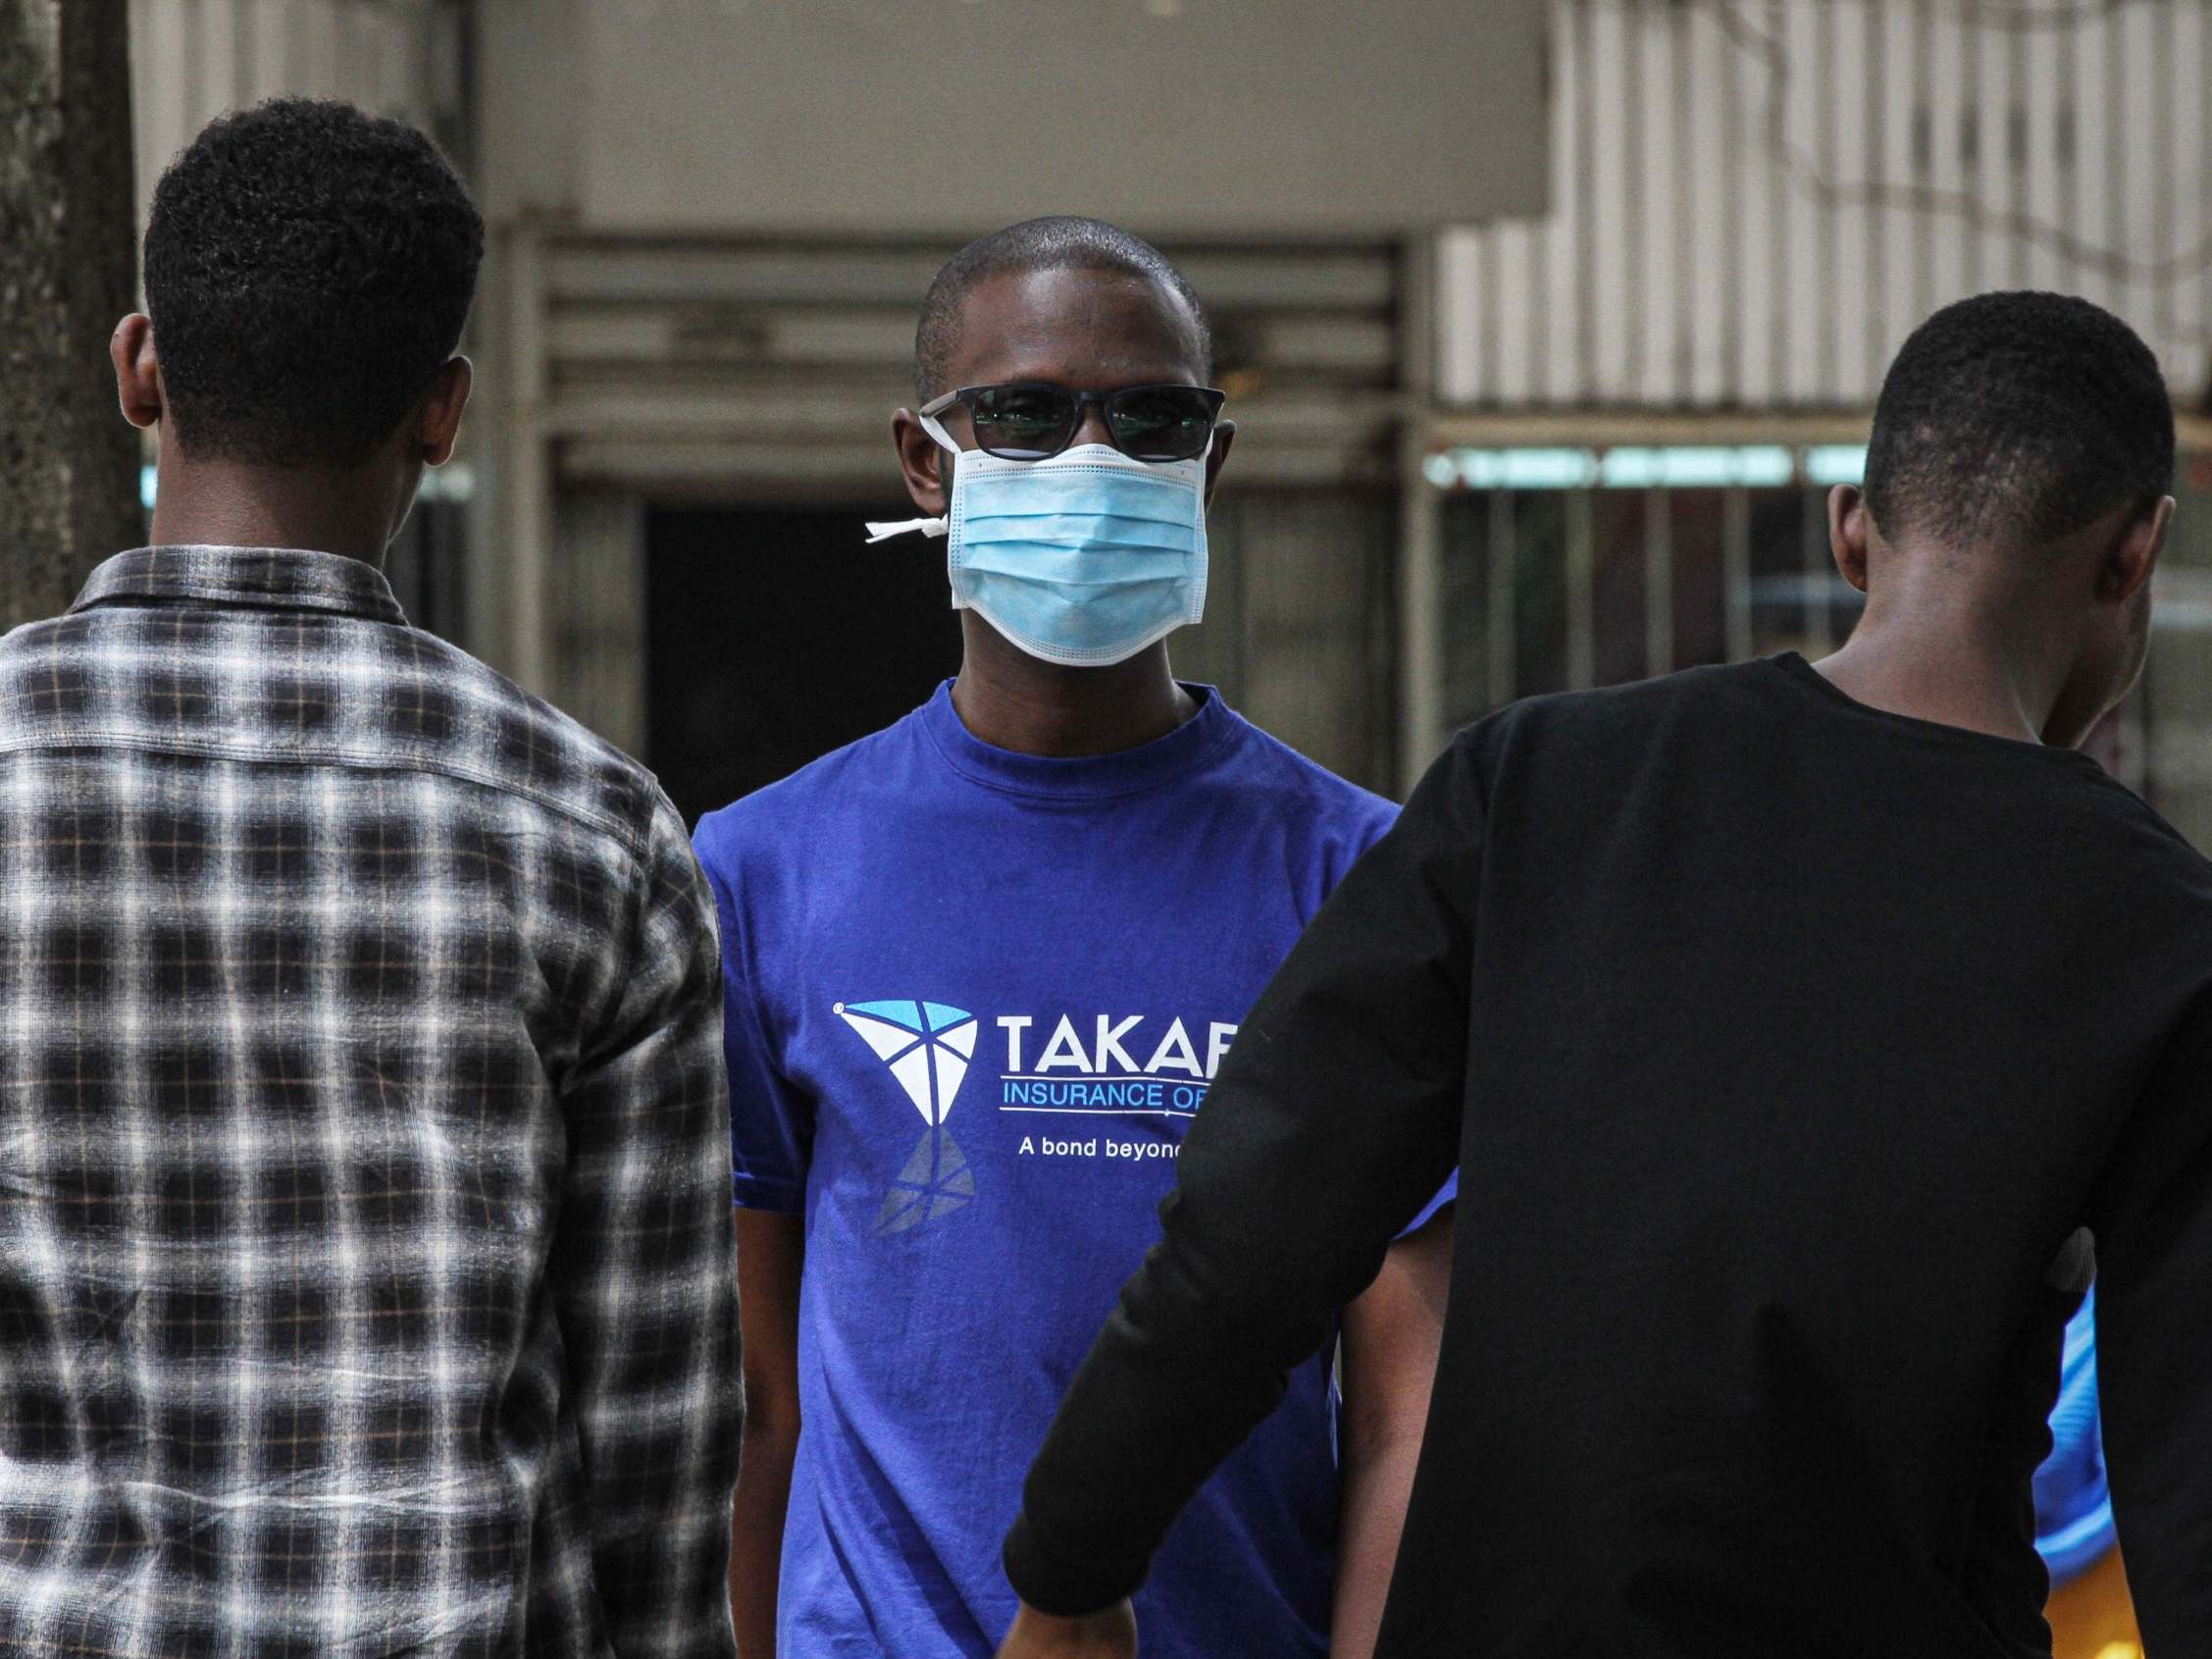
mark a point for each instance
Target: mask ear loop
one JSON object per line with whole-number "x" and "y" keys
{"x": 883, "y": 530}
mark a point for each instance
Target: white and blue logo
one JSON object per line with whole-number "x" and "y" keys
{"x": 928, "y": 1047}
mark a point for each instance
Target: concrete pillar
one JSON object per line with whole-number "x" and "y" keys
{"x": 69, "y": 465}
{"x": 1316, "y": 620}
{"x": 594, "y": 603}
{"x": 1421, "y": 728}
{"x": 510, "y": 620}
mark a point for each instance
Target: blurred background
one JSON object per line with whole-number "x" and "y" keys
{"x": 1546, "y": 322}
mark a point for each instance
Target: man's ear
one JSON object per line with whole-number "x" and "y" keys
{"x": 1850, "y": 529}
{"x": 440, "y": 423}
{"x": 2133, "y": 558}
{"x": 1224, "y": 435}
{"x": 922, "y": 462}
{"x": 138, "y": 371}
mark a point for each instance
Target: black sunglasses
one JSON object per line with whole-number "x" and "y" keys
{"x": 1031, "y": 421}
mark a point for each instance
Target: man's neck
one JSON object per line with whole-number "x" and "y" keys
{"x": 235, "y": 504}
{"x": 1957, "y": 664}
{"x": 1013, "y": 701}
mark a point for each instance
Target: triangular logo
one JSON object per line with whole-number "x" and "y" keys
{"x": 936, "y": 1179}
{"x": 926, "y": 1044}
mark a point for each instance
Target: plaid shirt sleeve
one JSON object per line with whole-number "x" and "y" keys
{"x": 642, "y": 1275}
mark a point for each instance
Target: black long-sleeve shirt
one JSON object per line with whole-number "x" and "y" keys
{"x": 1782, "y": 1044}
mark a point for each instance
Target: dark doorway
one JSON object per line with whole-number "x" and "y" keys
{"x": 774, "y": 636}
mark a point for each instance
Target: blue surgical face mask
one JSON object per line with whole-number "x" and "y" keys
{"x": 1082, "y": 559}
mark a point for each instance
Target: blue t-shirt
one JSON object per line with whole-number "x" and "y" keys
{"x": 974, "y": 999}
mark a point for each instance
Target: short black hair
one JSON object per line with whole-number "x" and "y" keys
{"x": 308, "y": 270}
{"x": 1060, "y": 242}
{"x": 2014, "y": 419}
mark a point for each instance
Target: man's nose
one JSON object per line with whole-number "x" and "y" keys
{"x": 1093, "y": 428}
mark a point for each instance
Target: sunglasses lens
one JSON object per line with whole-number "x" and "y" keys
{"x": 1161, "y": 423}
{"x": 1023, "y": 422}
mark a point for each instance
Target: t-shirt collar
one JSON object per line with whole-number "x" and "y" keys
{"x": 1087, "y": 777}
{"x": 258, "y": 578}
{"x": 1797, "y": 668}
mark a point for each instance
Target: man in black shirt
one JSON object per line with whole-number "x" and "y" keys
{"x": 1787, "y": 1024}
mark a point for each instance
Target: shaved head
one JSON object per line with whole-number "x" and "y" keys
{"x": 1057, "y": 243}
{"x": 2010, "y": 420}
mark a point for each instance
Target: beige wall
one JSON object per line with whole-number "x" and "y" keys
{"x": 1268, "y": 118}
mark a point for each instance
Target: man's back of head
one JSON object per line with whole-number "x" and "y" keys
{"x": 309, "y": 268}
{"x": 2014, "y": 508}
{"x": 2011, "y": 419}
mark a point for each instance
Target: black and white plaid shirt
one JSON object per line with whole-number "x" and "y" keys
{"x": 365, "y": 1239}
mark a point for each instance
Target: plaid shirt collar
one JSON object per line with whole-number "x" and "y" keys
{"x": 257, "y": 578}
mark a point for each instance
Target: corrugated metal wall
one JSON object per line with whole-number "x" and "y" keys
{"x": 190, "y": 60}
{"x": 1756, "y": 200}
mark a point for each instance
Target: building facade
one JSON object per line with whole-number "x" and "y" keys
{"x": 1581, "y": 436}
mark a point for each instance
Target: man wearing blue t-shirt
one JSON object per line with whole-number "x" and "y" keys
{"x": 980, "y": 970}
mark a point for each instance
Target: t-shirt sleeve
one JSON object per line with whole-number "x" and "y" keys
{"x": 1334, "y": 1119}
{"x": 1446, "y": 1196}
{"x": 1373, "y": 826}
{"x": 2153, "y": 1223}
{"x": 771, "y": 1121}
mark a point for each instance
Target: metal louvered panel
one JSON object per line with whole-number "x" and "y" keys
{"x": 1756, "y": 200}
{"x": 730, "y": 369}
{"x": 735, "y": 365}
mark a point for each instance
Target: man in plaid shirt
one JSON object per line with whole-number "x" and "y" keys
{"x": 364, "y": 1241}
